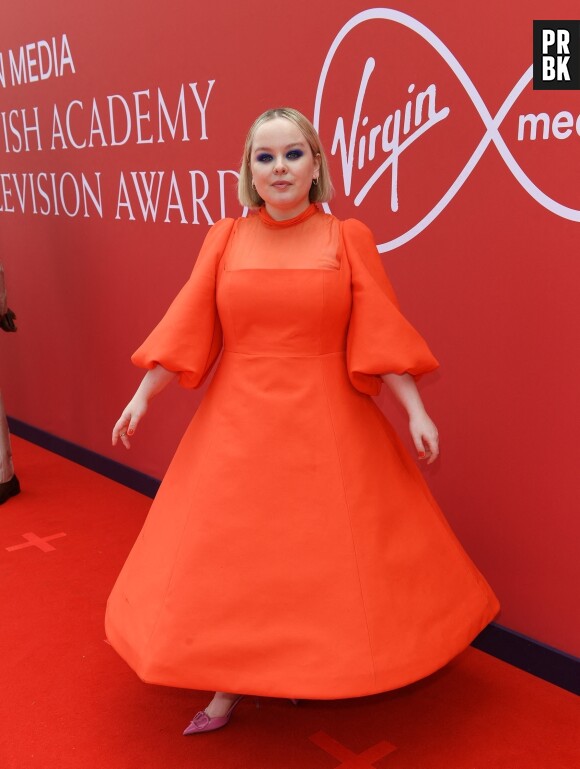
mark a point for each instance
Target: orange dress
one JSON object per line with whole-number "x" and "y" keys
{"x": 293, "y": 548}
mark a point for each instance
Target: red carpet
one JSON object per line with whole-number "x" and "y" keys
{"x": 69, "y": 701}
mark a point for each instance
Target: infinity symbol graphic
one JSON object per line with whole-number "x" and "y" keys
{"x": 491, "y": 124}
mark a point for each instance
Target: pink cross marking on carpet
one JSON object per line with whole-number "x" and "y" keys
{"x": 35, "y": 541}
{"x": 351, "y": 760}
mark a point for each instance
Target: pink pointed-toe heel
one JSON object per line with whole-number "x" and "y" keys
{"x": 203, "y": 723}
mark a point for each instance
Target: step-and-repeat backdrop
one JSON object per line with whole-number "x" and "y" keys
{"x": 121, "y": 131}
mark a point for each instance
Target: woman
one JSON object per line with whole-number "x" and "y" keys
{"x": 293, "y": 549}
{"x": 9, "y": 485}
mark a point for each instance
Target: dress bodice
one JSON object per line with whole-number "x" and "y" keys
{"x": 309, "y": 286}
{"x": 283, "y": 288}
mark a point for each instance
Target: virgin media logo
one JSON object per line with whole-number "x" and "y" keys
{"x": 388, "y": 121}
{"x": 359, "y": 143}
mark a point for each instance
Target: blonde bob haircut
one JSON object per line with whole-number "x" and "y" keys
{"x": 319, "y": 193}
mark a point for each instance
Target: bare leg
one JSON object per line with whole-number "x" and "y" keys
{"x": 220, "y": 704}
{"x": 6, "y": 466}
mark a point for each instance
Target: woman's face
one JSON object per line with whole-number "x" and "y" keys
{"x": 282, "y": 166}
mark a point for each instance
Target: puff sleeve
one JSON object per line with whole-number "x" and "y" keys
{"x": 380, "y": 340}
{"x": 189, "y": 337}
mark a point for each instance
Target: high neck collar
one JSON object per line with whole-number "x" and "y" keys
{"x": 306, "y": 214}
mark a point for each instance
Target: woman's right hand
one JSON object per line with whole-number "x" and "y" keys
{"x": 155, "y": 380}
{"x": 129, "y": 419}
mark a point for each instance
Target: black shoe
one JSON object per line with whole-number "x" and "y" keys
{"x": 9, "y": 489}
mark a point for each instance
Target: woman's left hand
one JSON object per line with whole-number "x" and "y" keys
{"x": 425, "y": 436}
